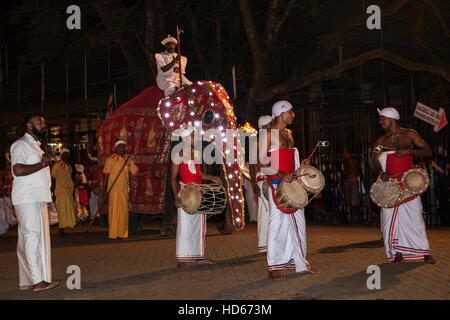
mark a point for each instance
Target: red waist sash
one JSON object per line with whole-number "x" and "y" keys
{"x": 187, "y": 176}
{"x": 283, "y": 160}
{"x": 396, "y": 165}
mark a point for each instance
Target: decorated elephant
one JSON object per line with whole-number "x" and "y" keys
{"x": 205, "y": 106}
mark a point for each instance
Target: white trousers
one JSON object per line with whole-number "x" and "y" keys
{"x": 191, "y": 232}
{"x": 169, "y": 86}
{"x": 262, "y": 220}
{"x": 286, "y": 239}
{"x": 404, "y": 231}
{"x": 33, "y": 245}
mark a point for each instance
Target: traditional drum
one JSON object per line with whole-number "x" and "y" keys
{"x": 291, "y": 195}
{"x": 386, "y": 194}
{"x": 203, "y": 198}
{"x": 311, "y": 178}
{"x": 299, "y": 193}
{"x": 416, "y": 181}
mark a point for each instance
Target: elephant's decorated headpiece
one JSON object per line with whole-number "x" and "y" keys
{"x": 206, "y": 107}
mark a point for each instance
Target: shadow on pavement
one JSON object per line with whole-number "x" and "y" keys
{"x": 367, "y": 244}
{"x": 355, "y": 285}
{"x": 339, "y": 288}
{"x": 241, "y": 292}
{"x": 78, "y": 237}
{"x": 156, "y": 275}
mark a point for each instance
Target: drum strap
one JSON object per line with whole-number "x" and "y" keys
{"x": 405, "y": 201}
{"x": 274, "y": 197}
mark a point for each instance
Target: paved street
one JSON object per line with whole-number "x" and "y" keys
{"x": 144, "y": 267}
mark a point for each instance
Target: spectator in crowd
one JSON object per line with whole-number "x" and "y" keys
{"x": 351, "y": 172}
{"x": 63, "y": 189}
{"x": 442, "y": 167}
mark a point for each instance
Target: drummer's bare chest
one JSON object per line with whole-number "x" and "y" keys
{"x": 398, "y": 141}
{"x": 284, "y": 139}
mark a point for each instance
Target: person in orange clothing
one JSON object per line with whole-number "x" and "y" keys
{"x": 118, "y": 195}
{"x": 63, "y": 185}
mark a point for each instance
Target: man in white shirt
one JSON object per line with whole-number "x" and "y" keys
{"x": 168, "y": 64}
{"x": 30, "y": 195}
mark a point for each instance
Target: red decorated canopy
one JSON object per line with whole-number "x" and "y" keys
{"x": 148, "y": 144}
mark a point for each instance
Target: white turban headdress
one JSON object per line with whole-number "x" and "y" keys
{"x": 280, "y": 107}
{"x": 119, "y": 142}
{"x": 264, "y": 120}
{"x": 169, "y": 39}
{"x": 389, "y": 113}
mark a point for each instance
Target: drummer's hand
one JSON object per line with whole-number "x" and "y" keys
{"x": 216, "y": 180}
{"x": 384, "y": 176}
{"x": 177, "y": 202}
{"x": 288, "y": 178}
{"x": 403, "y": 152}
{"x": 305, "y": 162}
{"x": 378, "y": 149}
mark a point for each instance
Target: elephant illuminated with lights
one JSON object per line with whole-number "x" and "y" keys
{"x": 205, "y": 106}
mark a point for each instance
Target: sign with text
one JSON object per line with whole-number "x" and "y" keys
{"x": 434, "y": 117}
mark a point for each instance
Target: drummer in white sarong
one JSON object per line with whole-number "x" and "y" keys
{"x": 403, "y": 226}
{"x": 286, "y": 239}
{"x": 191, "y": 228}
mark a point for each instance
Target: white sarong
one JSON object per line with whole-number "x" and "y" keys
{"x": 404, "y": 231}
{"x": 191, "y": 232}
{"x": 33, "y": 245}
{"x": 286, "y": 239}
{"x": 286, "y": 235}
{"x": 262, "y": 220}
{"x": 403, "y": 227}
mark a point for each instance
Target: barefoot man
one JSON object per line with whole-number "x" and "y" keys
{"x": 286, "y": 239}
{"x": 191, "y": 228}
{"x": 403, "y": 226}
{"x": 30, "y": 194}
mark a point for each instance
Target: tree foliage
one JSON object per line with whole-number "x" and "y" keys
{"x": 278, "y": 46}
